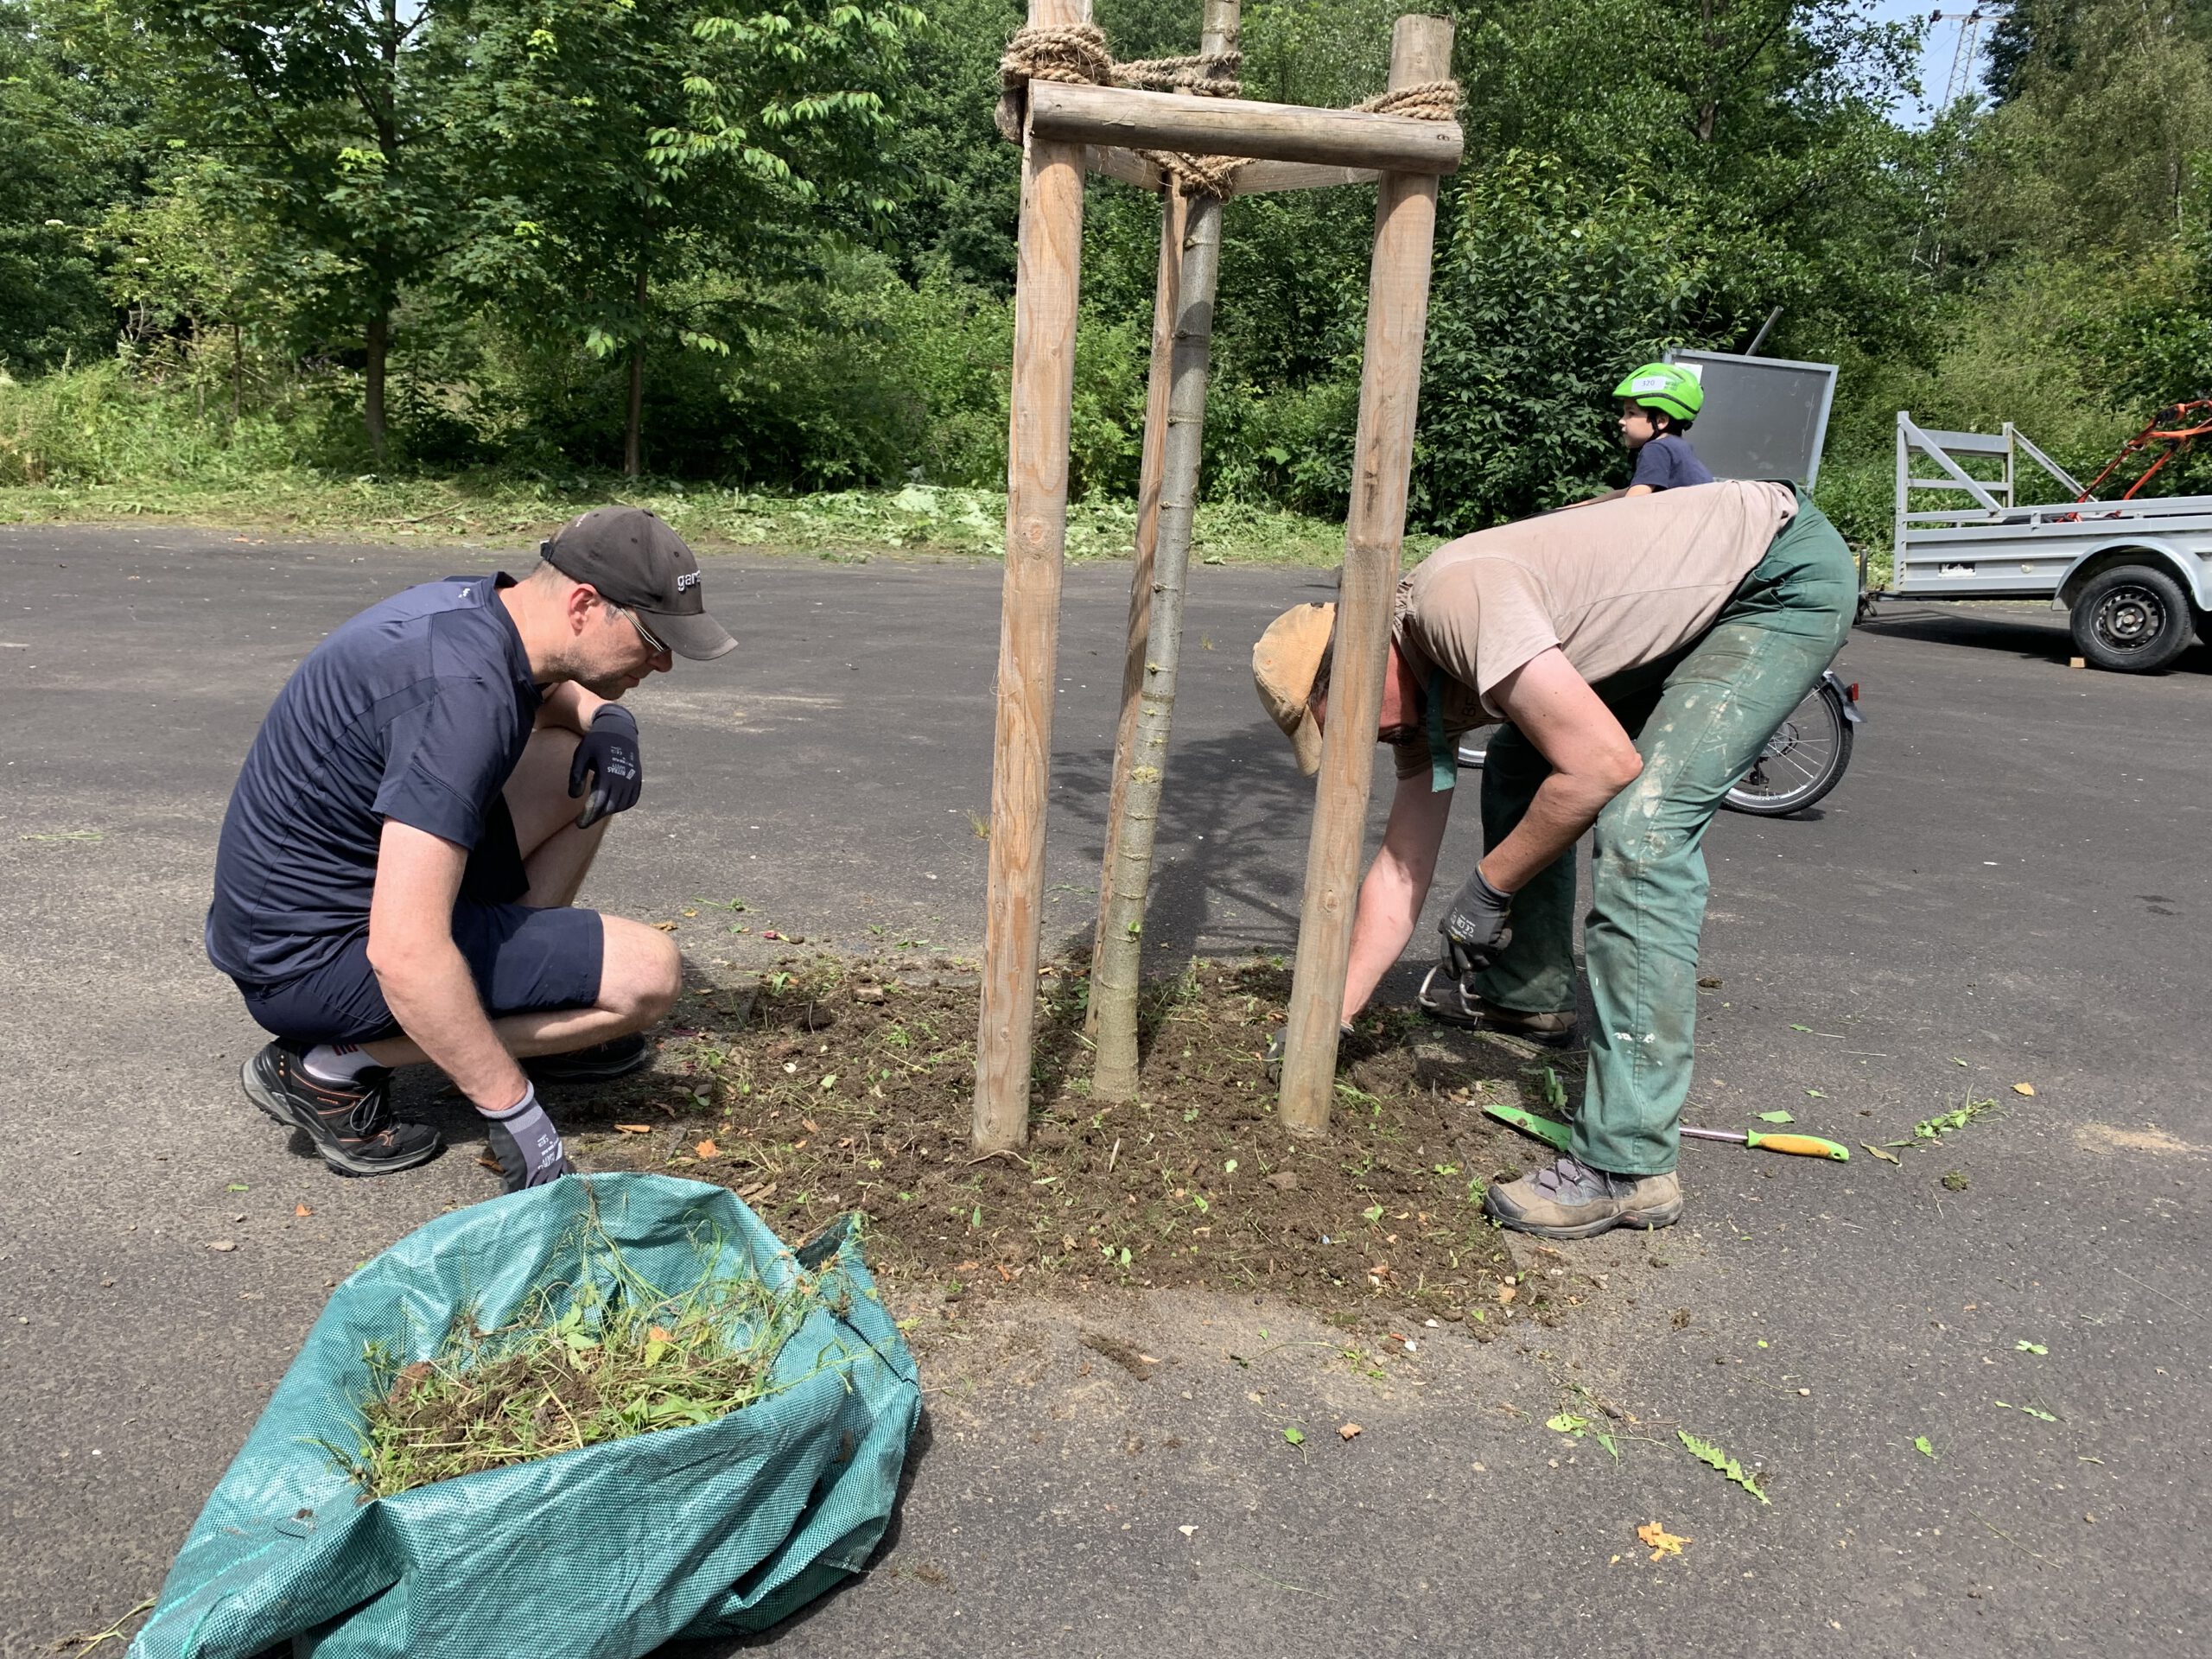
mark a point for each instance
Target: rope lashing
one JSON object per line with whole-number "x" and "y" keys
{"x": 1076, "y": 54}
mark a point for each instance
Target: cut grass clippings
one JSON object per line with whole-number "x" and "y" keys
{"x": 605, "y": 1358}
{"x": 827, "y": 1086}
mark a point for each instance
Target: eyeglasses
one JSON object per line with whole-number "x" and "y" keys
{"x": 644, "y": 633}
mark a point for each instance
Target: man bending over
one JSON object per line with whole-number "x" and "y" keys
{"x": 399, "y": 869}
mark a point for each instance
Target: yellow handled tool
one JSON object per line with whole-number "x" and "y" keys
{"x": 1806, "y": 1146}
{"x": 1551, "y": 1130}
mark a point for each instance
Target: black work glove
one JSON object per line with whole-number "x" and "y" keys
{"x": 1282, "y": 1036}
{"x": 1477, "y": 928}
{"x": 526, "y": 1144}
{"x": 609, "y": 753}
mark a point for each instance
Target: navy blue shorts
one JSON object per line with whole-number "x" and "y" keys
{"x": 523, "y": 961}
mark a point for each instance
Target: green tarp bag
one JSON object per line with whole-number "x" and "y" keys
{"x": 600, "y": 1553}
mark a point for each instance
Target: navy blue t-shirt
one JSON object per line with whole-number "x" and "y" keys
{"x": 417, "y": 710}
{"x": 1669, "y": 463}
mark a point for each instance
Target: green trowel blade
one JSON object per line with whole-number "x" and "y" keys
{"x": 1544, "y": 1129}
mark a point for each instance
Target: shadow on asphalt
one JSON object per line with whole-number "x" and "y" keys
{"x": 2040, "y": 639}
{"x": 1219, "y": 794}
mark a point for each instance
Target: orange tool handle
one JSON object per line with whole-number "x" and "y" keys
{"x": 1808, "y": 1146}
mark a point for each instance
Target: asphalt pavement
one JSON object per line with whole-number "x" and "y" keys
{"x": 2009, "y": 887}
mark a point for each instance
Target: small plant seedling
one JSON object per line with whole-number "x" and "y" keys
{"x": 2024, "y": 1347}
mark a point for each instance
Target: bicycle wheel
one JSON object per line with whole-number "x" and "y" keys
{"x": 1801, "y": 761}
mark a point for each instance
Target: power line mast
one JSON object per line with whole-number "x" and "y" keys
{"x": 1966, "y": 51}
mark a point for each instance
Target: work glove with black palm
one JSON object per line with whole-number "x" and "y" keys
{"x": 526, "y": 1144}
{"x": 609, "y": 755}
{"x": 1477, "y": 927}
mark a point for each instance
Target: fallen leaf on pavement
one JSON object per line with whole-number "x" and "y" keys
{"x": 1188, "y": 1532}
{"x": 1920, "y": 1443}
{"x": 301, "y": 1210}
{"x": 221, "y": 1244}
{"x": 1778, "y": 1117}
{"x": 1886, "y": 1157}
{"x": 707, "y": 1149}
{"x": 2024, "y": 1088}
{"x": 666, "y": 927}
{"x": 494, "y": 1165}
{"x": 1350, "y": 1431}
{"x": 1506, "y": 1292}
{"x": 634, "y": 1128}
{"x": 1663, "y": 1543}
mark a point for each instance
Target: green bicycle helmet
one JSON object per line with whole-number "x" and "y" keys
{"x": 1665, "y": 387}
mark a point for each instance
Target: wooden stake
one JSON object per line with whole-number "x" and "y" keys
{"x": 1046, "y": 280}
{"x": 1389, "y": 389}
{"x": 1140, "y": 769}
{"x": 1172, "y": 214}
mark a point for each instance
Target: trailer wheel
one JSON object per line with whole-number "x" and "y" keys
{"x": 2133, "y": 619}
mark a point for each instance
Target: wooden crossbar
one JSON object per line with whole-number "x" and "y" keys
{"x": 1119, "y": 117}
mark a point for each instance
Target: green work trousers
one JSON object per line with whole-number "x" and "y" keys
{"x": 1698, "y": 719}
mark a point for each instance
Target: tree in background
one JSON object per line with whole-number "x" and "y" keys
{"x": 623, "y": 153}
{"x": 71, "y": 151}
{"x": 320, "y": 121}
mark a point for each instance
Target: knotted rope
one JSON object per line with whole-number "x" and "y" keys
{"x": 1077, "y": 54}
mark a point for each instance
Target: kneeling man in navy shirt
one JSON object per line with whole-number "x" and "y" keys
{"x": 397, "y": 879}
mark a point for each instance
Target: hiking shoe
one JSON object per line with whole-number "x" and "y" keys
{"x": 1448, "y": 1001}
{"x": 1569, "y": 1199}
{"x": 616, "y": 1058}
{"x": 351, "y": 1123}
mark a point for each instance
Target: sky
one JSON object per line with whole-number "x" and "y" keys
{"x": 1942, "y": 41}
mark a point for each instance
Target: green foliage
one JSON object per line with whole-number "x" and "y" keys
{"x": 69, "y": 153}
{"x": 784, "y": 236}
{"x": 1711, "y": 1455}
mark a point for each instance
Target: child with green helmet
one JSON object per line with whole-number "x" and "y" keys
{"x": 1658, "y": 403}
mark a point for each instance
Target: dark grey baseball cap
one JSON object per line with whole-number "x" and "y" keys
{"x": 636, "y": 560}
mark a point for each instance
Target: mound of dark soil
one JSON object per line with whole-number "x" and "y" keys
{"x": 828, "y": 1086}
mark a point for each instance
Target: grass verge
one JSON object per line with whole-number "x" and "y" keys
{"x": 920, "y": 521}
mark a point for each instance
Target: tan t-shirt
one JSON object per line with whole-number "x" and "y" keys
{"x": 1615, "y": 586}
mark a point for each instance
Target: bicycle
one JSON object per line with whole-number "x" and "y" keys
{"x": 1802, "y": 762}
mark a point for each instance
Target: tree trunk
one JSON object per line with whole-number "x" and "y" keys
{"x": 238, "y": 372}
{"x": 634, "y": 423}
{"x": 1166, "y": 305}
{"x": 379, "y": 344}
{"x": 1121, "y": 949}
{"x": 1118, "y": 963}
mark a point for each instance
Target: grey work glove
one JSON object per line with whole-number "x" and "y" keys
{"x": 609, "y": 755}
{"x": 526, "y": 1144}
{"x": 1477, "y": 928}
{"x": 1276, "y": 1047}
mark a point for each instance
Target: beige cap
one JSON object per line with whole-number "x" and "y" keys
{"x": 1284, "y": 665}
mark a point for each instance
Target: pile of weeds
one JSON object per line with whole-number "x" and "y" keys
{"x": 598, "y": 1358}
{"x": 829, "y": 1085}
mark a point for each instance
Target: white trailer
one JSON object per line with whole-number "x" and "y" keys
{"x": 2136, "y": 576}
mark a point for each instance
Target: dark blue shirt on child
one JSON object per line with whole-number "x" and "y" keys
{"x": 416, "y": 711}
{"x": 1669, "y": 463}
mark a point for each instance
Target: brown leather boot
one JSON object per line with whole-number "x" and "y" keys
{"x": 1568, "y": 1200}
